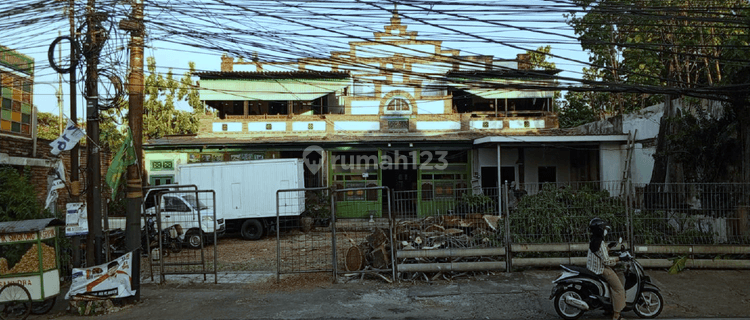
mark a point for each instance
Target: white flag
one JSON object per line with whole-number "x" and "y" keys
{"x": 68, "y": 139}
{"x": 52, "y": 192}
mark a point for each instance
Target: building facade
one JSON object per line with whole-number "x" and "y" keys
{"x": 396, "y": 111}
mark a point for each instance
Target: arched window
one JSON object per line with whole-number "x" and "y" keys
{"x": 398, "y": 105}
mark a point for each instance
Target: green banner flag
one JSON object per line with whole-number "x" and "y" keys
{"x": 125, "y": 156}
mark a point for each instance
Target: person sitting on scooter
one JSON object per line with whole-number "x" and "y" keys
{"x": 598, "y": 261}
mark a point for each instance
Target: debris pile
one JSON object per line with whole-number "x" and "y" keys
{"x": 436, "y": 232}
{"x": 430, "y": 233}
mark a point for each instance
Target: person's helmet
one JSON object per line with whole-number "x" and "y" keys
{"x": 597, "y": 227}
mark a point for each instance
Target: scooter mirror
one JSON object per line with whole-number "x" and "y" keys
{"x": 620, "y": 240}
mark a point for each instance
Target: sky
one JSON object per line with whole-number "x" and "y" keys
{"x": 179, "y": 31}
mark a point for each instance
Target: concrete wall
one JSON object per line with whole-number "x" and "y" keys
{"x": 178, "y": 158}
{"x": 611, "y": 157}
{"x": 533, "y": 159}
{"x": 539, "y": 157}
{"x": 643, "y": 164}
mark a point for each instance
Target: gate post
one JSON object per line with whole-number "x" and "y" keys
{"x": 629, "y": 217}
{"x": 508, "y": 253}
{"x": 333, "y": 238}
{"x": 278, "y": 240}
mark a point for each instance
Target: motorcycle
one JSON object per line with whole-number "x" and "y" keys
{"x": 172, "y": 237}
{"x": 579, "y": 290}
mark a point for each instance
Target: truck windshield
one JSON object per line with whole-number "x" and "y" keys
{"x": 195, "y": 203}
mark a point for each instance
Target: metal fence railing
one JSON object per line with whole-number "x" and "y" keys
{"x": 560, "y": 213}
{"x": 310, "y": 249}
{"x": 691, "y": 214}
{"x": 342, "y": 231}
{"x": 180, "y": 232}
{"x": 459, "y": 230}
{"x": 549, "y": 221}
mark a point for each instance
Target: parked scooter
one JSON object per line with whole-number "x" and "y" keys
{"x": 171, "y": 237}
{"x": 579, "y": 290}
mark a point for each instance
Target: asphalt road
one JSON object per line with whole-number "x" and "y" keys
{"x": 520, "y": 295}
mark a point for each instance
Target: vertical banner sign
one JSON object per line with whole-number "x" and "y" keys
{"x": 55, "y": 181}
{"x": 76, "y": 219}
{"x": 111, "y": 280}
{"x": 68, "y": 139}
{"x": 125, "y": 156}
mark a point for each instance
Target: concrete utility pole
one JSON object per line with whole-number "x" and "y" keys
{"x": 74, "y": 179}
{"x": 92, "y": 49}
{"x": 135, "y": 183}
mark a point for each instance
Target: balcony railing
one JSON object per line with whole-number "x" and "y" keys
{"x": 332, "y": 124}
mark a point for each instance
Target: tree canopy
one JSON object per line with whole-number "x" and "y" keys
{"x": 160, "y": 117}
{"x": 674, "y": 44}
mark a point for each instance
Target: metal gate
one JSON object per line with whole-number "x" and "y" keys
{"x": 180, "y": 231}
{"x": 340, "y": 231}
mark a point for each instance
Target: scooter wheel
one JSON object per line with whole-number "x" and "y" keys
{"x": 650, "y": 303}
{"x": 563, "y": 309}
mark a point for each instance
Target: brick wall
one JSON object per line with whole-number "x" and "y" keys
{"x": 19, "y": 147}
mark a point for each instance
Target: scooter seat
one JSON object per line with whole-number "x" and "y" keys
{"x": 585, "y": 272}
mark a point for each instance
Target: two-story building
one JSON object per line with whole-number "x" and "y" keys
{"x": 396, "y": 111}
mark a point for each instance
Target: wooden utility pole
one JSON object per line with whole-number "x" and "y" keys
{"x": 92, "y": 49}
{"x": 135, "y": 182}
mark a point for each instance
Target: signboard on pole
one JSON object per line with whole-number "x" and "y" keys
{"x": 76, "y": 219}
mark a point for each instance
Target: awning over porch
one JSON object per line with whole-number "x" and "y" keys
{"x": 269, "y": 90}
{"x": 510, "y": 94}
{"x": 553, "y": 139}
{"x": 493, "y": 88}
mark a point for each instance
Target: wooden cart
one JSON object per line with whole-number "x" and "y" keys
{"x": 31, "y": 284}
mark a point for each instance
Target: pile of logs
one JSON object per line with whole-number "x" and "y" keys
{"x": 430, "y": 233}
{"x": 436, "y": 232}
{"x": 374, "y": 252}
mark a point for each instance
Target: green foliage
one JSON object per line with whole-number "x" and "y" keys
{"x": 160, "y": 116}
{"x": 18, "y": 200}
{"x": 538, "y": 58}
{"x": 48, "y": 125}
{"x": 111, "y": 130}
{"x": 475, "y": 203}
{"x": 576, "y": 110}
{"x": 706, "y": 147}
{"x": 563, "y": 214}
{"x": 686, "y": 46}
{"x": 317, "y": 204}
{"x": 678, "y": 264}
{"x": 538, "y": 61}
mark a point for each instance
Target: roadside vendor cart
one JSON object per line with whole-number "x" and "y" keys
{"x": 29, "y": 267}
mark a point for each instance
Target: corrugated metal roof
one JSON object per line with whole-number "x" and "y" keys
{"x": 29, "y": 225}
{"x": 505, "y": 73}
{"x": 266, "y": 75}
{"x": 268, "y": 90}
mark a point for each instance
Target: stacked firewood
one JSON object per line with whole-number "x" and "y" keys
{"x": 436, "y": 232}
{"x": 373, "y": 253}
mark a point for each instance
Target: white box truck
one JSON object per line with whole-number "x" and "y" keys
{"x": 246, "y": 191}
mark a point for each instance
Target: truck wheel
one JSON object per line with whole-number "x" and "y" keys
{"x": 252, "y": 229}
{"x": 193, "y": 239}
